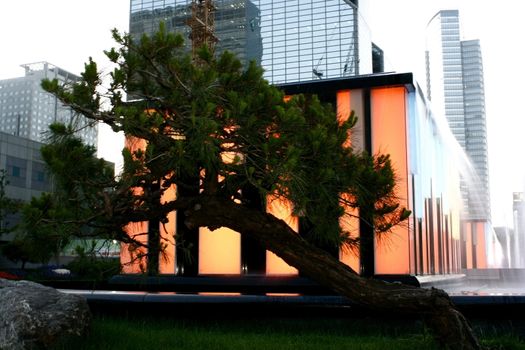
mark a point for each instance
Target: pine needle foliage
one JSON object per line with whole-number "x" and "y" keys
{"x": 215, "y": 128}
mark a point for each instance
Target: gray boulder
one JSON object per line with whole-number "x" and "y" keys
{"x": 35, "y": 316}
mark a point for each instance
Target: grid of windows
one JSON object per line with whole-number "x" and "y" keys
{"x": 26, "y": 110}
{"x": 293, "y": 40}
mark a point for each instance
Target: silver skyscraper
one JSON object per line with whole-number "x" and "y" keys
{"x": 455, "y": 87}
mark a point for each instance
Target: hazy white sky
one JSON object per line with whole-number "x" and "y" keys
{"x": 67, "y": 32}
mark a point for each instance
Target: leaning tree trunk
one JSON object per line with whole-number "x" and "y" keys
{"x": 449, "y": 326}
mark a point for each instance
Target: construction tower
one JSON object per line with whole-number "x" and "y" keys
{"x": 202, "y": 25}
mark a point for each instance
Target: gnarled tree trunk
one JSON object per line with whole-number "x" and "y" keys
{"x": 449, "y": 326}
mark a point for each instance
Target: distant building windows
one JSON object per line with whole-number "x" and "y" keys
{"x": 16, "y": 171}
{"x": 39, "y": 177}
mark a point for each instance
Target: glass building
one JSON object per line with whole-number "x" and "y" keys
{"x": 394, "y": 119}
{"x": 26, "y": 110}
{"x": 455, "y": 88}
{"x": 293, "y": 40}
{"x": 237, "y": 23}
{"x": 322, "y": 47}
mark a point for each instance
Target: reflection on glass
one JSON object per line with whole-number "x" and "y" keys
{"x": 327, "y": 37}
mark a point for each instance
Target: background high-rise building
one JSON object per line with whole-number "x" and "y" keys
{"x": 456, "y": 89}
{"x": 293, "y": 40}
{"x": 475, "y": 128}
{"x": 237, "y": 23}
{"x": 26, "y": 110}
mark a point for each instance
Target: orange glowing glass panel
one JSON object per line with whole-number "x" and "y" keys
{"x": 283, "y": 294}
{"x": 343, "y": 105}
{"x": 219, "y": 251}
{"x": 281, "y": 209}
{"x": 167, "y": 235}
{"x": 481, "y": 251}
{"x": 167, "y": 231}
{"x": 219, "y": 294}
{"x": 389, "y": 135}
{"x": 137, "y": 230}
{"x": 343, "y": 110}
{"x": 128, "y": 255}
{"x": 349, "y": 222}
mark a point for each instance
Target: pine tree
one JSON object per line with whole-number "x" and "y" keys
{"x": 214, "y": 129}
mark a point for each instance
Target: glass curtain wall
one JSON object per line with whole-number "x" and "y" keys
{"x": 293, "y": 40}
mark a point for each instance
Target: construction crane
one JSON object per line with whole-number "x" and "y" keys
{"x": 351, "y": 66}
{"x": 202, "y": 25}
{"x": 350, "y": 62}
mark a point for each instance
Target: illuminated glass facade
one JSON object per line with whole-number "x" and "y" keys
{"x": 456, "y": 89}
{"x": 394, "y": 118}
{"x": 293, "y": 40}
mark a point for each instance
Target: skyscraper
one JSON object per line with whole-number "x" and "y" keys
{"x": 236, "y": 23}
{"x": 293, "y": 40}
{"x": 26, "y": 110}
{"x": 475, "y": 128}
{"x": 456, "y": 89}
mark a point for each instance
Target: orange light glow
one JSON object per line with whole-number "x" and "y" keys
{"x": 343, "y": 110}
{"x": 283, "y": 294}
{"x": 137, "y": 230}
{"x": 475, "y": 244}
{"x": 219, "y": 251}
{"x": 389, "y": 136}
{"x": 167, "y": 235}
{"x": 350, "y": 223}
{"x": 343, "y": 105}
{"x": 129, "y": 256}
{"x": 219, "y": 294}
{"x": 481, "y": 255}
{"x": 348, "y": 100}
{"x": 281, "y": 209}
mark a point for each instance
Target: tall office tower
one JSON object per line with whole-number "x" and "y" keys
{"x": 26, "y": 110}
{"x": 456, "y": 89}
{"x": 476, "y": 128}
{"x": 293, "y": 40}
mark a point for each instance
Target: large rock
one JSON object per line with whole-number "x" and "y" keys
{"x": 34, "y": 316}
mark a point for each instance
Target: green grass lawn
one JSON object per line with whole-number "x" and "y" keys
{"x": 148, "y": 332}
